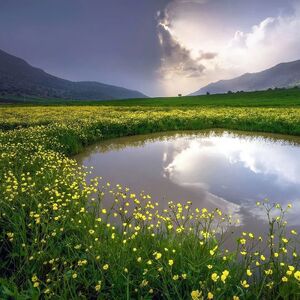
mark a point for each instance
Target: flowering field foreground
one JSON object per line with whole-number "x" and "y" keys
{"x": 57, "y": 241}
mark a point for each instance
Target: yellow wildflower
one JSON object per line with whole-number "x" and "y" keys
{"x": 175, "y": 277}
{"x": 144, "y": 283}
{"x": 224, "y": 275}
{"x": 242, "y": 241}
{"x": 214, "y": 277}
{"x": 158, "y": 255}
{"x": 196, "y": 295}
{"x": 245, "y": 284}
{"x": 98, "y": 286}
{"x": 269, "y": 272}
{"x": 297, "y": 275}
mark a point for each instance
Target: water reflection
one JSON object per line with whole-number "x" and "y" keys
{"x": 230, "y": 171}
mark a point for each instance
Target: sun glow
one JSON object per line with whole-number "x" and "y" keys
{"x": 202, "y": 50}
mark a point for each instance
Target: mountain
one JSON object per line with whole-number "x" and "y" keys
{"x": 281, "y": 76}
{"x": 18, "y": 78}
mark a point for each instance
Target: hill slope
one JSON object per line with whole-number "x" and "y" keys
{"x": 17, "y": 78}
{"x": 282, "y": 75}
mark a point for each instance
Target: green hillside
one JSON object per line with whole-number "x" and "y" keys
{"x": 270, "y": 98}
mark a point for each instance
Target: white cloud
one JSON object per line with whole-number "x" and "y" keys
{"x": 274, "y": 40}
{"x": 244, "y": 169}
{"x": 254, "y": 154}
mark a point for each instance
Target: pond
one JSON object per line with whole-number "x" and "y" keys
{"x": 213, "y": 169}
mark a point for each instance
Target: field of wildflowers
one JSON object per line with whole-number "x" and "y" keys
{"x": 57, "y": 240}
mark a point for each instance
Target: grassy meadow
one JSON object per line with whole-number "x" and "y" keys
{"x": 58, "y": 242}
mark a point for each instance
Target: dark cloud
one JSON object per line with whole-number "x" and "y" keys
{"x": 120, "y": 42}
{"x": 111, "y": 41}
{"x": 176, "y": 59}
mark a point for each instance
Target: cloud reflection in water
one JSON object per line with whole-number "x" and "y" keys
{"x": 237, "y": 169}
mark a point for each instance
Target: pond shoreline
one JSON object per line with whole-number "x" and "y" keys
{"x": 51, "y": 245}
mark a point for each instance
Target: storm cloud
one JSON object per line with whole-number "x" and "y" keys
{"x": 202, "y": 41}
{"x": 161, "y": 47}
{"x": 176, "y": 59}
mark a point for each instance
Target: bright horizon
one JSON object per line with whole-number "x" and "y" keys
{"x": 160, "y": 48}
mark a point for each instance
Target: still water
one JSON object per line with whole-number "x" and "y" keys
{"x": 228, "y": 170}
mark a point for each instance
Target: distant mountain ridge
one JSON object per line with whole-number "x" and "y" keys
{"x": 19, "y": 78}
{"x": 283, "y": 75}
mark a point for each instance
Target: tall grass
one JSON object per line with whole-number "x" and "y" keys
{"x": 58, "y": 241}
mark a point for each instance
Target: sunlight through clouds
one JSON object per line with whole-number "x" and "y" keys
{"x": 196, "y": 51}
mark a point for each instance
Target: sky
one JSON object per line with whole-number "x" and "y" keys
{"x": 159, "y": 47}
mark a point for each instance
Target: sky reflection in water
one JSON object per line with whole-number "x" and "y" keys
{"x": 213, "y": 169}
